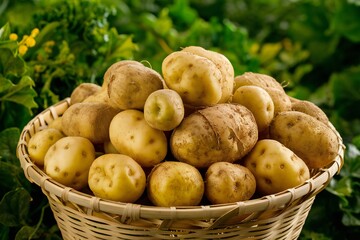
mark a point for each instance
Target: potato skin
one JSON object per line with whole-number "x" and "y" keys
{"x": 228, "y": 182}
{"x": 280, "y": 99}
{"x": 82, "y": 91}
{"x": 307, "y": 137}
{"x": 221, "y": 133}
{"x": 257, "y": 79}
{"x": 311, "y": 109}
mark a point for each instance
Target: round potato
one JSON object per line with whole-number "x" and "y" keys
{"x": 173, "y": 183}
{"x": 56, "y": 123}
{"x": 82, "y": 91}
{"x": 310, "y": 139}
{"x": 131, "y": 135}
{"x": 275, "y": 167}
{"x": 117, "y": 177}
{"x": 221, "y": 133}
{"x": 258, "y": 101}
{"x": 228, "y": 182}
{"x": 68, "y": 161}
{"x": 41, "y": 142}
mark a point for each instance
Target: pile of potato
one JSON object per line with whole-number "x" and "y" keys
{"x": 195, "y": 134}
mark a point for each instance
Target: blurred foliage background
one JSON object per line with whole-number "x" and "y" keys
{"x": 311, "y": 46}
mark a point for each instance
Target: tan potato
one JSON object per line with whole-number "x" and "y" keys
{"x": 68, "y": 161}
{"x": 131, "y": 135}
{"x": 117, "y": 177}
{"x": 275, "y": 167}
{"x": 56, "y": 123}
{"x": 173, "y": 183}
{"x": 307, "y": 137}
{"x": 82, "y": 91}
{"x": 41, "y": 142}
{"x": 223, "y": 64}
{"x": 221, "y": 133}
{"x": 280, "y": 99}
{"x": 311, "y": 109}
{"x": 258, "y": 101}
{"x": 130, "y": 84}
{"x": 257, "y": 79}
{"x": 228, "y": 182}
{"x": 100, "y": 97}
{"x": 109, "y": 147}
{"x": 88, "y": 119}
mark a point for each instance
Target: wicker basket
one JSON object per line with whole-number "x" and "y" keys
{"x": 83, "y": 216}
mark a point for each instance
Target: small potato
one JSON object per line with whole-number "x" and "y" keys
{"x": 222, "y": 133}
{"x": 174, "y": 183}
{"x": 280, "y": 99}
{"x": 256, "y": 79}
{"x": 258, "y": 101}
{"x": 82, "y": 91}
{"x": 311, "y": 109}
{"x": 68, "y": 161}
{"x": 164, "y": 109}
{"x": 275, "y": 167}
{"x": 41, "y": 142}
{"x": 56, "y": 123}
{"x": 228, "y": 182}
{"x": 130, "y": 84}
{"x": 310, "y": 139}
{"x": 88, "y": 119}
{"x": 131, "y": 135}
{"x": 117, "y": 177}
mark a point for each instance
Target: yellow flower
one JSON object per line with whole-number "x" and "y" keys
{"x": 30, "y": 41}
{"x": 13, "y": 36}
{"x": 22, "y": 49}
{"x": 35, "y": 32}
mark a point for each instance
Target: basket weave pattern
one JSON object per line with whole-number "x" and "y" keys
{"x": 84, "y": 216}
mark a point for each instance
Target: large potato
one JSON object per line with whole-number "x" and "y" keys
{"x": 129, "y": 85}
{"x": 41, "y": 142}
{"x": 307, "y": 137}
{"x": 88, "y": 119}
{"x": 258, "y": 101}
{"x": 257, "y": 79}
{"x": 275, "y": 167}
{"x": 200, "y": 76}
{"x": 131, "y": 135}
{"x": 228, "y": 182}
{"x": 117, "y": 177}
{"x": 173, "y": 183}
{"x": 221, "y": 133}
{"x": 68, "y": 161}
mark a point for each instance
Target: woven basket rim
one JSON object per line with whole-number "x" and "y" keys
{"x": 279, "y": 200}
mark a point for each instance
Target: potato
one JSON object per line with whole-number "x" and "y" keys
{"x": 313, "y": 141}
{"x": 117, "y": 177}
{"x": 223, "y": 64}
{"x": 100, "y": 97}
{"x": 310, "y": 109}
{"x": 109, "y": 147}
{"x": 228, "y": 182}
{"x": 129, "y": 85}
{"x": 164, "y": 109}
{"x": 174, "y": 183}
{"x": 257, "y": 79}
{"x": 56, "y": 123}
{"x": 221, "y": 133}
{"x": 258, "y": 101}
{"x": 82, "y": 91}
{"x": 280, "y": 99}
{"x": 41, "y": 142}
{"x": 131, "y": 135}
{"x": 68, "y": 161}
{"x": 88, "y": 119}
{"x": 275, "y": 167}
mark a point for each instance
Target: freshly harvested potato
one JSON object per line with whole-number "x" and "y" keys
{"x": 221, "y": 133}
{"x": 310, "y": 139}
{"x": 82, "y": 91}
{"x": 172, "y": 183}
{"x": 275, "y": 167}
{"x": 223, "y": 64}
{"x": 100, "y": 97}
{"x": 200, "y": 76}
{"x": 109, "y": 147}
{"x": 129, "y": 85}
{"x": 311, "y": 109}
{"x": 56, "y": 123}
{"x": 228, "y": 182}
{"x": 258, "y": 101}
{"x": 131, "y": 135}
{"x": 117, "y": 177}
{"x": 257, "y": 79}
{"x": 280, "y": 99}
{"x": 41, "y": 142}
{"x": 88, "y": 119}
{"x": 68, "y": 161}
{"x": 164, "y": 109}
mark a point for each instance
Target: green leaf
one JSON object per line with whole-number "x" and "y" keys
{"x": 5, "y": 32}
{"x": 14, "y": 207}
{"x": 11, "y": 64}
{"x": 8, "y": 143}
{"x": 4, "y": 232}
